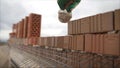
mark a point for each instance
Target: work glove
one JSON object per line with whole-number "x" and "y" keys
{"x": 64, "y": 16}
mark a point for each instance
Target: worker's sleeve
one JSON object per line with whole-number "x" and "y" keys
{"x": 73, "y": 5}
{"x": 62, "y": 3}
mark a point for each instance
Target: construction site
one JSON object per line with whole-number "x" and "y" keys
{"x": 92, "y": 42}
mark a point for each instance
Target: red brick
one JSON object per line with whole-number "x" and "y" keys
{"x": 95, "y": 24}
{"x": 50, "y": 41}
{"x": 112, "y": 44}
{"x": 117, "y": 19}
{"x": 74, "y": 26}
{"x": 59, "y": 41}
{"x": 92, "y": 24}
{"x": 34, "y": 25}
{"x": 18, "y": 30}
{"x": 97, "y": 43}
{"x": 80, "y": 42}
{"x": 88, "y": 42}
{"x": 85, "y": 25}
{"x": 71, "y": 42}
{"x": 66, "y": 42}
{"x": 69, "y": 28}
{"x": 25, "y": 27}
{"x": 74, "y": 42}
{"x": 94, "y": 44}
{"x": 42, "y": 41}
{"x": 33, "y": 41}
{"x": 79, "y": 26}
{"x": 107, "y": 21}
{"x": 101, "y": 44}
{"x": 99, "y": 23}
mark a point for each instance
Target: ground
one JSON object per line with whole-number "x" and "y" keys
{"x": 4, "y": 56}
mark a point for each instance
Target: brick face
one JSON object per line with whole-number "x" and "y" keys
{"x": 66, "y": 42}
{"x": 34, "y": 23}
{"x": 50, "y": 41}
{"x": 117, "y": 19}
{"x": 69, "y": 28}
{"x": 80, "y": 42}
{"x": 25, "y": 27}
{"x": 92, "y": 24}
{"x": 79, "y": 26}
{"x": 85, "y": 25}
{"x": 107, "y": 21}
{"x": 88, "y": 42}
{"x": 59, "y": 41}
{"x": 112, "y": 44}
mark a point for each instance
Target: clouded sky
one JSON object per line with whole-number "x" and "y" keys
{"x": 13, "y": 11}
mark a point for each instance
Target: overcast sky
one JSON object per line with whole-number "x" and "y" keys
{"x": 12, "y": 11}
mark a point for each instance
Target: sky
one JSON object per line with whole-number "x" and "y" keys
{"x": 11, "y": 12}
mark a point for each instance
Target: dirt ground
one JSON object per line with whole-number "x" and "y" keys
{"x": 4, "y": 56}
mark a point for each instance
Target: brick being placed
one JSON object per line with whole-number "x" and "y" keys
{"x": 34, "y": 25}
{"x": 117, "y": 19}
{"x": 112, "y": 44}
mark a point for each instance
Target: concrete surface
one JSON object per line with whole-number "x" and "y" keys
{"x": 4, "y": 56}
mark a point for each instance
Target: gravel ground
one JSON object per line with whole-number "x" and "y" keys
{"x": 4, "y": 56}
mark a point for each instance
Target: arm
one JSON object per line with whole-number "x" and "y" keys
{"x": 73, "y": 5}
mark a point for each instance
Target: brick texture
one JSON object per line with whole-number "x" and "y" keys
{"x": 85, "y": 25}
{"x": 112, "y": 44}
{"x": 34, "y": 23}
{"x": 117, "y": 19}
{"x": 107, "y": 21}
{"x": 25, "y": 27}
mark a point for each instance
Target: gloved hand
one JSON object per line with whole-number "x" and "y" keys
{"x": 64, "y": 16}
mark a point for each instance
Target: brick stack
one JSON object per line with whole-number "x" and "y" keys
{"x": 34, "y": 23}
{"x": 28, "y": 29}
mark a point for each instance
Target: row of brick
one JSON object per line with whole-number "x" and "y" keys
{"x": 71, "y": 59}
{"x": 28, "y": 27}
{"x": 103, "y": 22}
{"x": 95, "y": 43}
